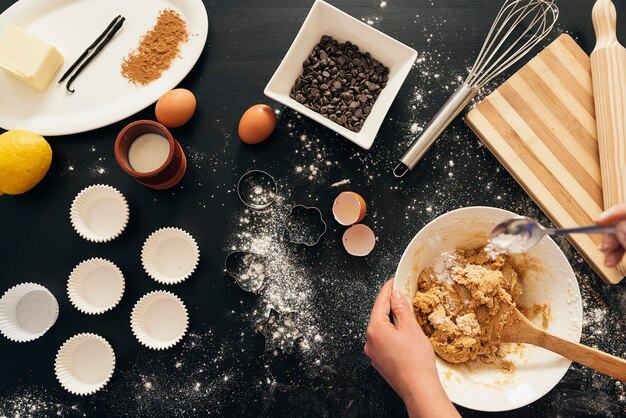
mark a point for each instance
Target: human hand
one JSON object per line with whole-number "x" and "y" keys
{"x": 613, "y": 246}
{"x": 402, "y": 354}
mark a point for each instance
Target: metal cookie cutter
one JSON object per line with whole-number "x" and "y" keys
{"x": 280, "y": 331}
{"x": 250, "y": 270}
{"x": 305, "y": 225}
{"x": 257, "y": 189}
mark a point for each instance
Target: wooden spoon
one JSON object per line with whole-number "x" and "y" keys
{"x": 519, "y": 329}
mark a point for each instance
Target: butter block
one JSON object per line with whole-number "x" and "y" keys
{"x": 28, "y": 58}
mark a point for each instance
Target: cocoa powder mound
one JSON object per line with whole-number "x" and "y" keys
{"x": 157, "y": 49}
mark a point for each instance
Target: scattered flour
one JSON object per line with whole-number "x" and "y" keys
{"x": 340, "y": 183}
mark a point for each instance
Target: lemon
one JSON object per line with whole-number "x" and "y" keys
{"x": 25, "y": 158}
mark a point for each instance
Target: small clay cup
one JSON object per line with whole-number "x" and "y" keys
{"x": 164, "y": 177}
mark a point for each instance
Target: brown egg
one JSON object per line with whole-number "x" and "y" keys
{"x": 175, "y": 108}
{"x": 257, "y": 124}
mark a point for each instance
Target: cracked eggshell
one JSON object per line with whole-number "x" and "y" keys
{"x": 359, "y": 240}
{"x": 349, "y": 208}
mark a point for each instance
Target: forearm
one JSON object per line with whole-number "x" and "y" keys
{"x": 427, "y": 399}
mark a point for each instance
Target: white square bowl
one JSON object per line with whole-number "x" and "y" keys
{"x": 324, "y": 19}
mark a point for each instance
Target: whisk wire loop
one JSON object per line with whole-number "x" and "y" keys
{"x": 504, "y": 45}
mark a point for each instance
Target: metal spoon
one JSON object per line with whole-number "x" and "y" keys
{"x": 532, "y": 231}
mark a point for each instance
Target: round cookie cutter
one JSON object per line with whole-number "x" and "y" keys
{"x": 257, "y": 189}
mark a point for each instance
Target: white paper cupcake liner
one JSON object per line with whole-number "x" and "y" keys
{"x": 27, "y": 311}
{"x": 84, "y": 364}
{"x": 99, "y": 213}
{"x": 170, "y": 255}
{"x": 159, "y": 320}
{"x": 95, "y": 286}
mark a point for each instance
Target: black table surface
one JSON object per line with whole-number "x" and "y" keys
{"x": 221, "y": 367}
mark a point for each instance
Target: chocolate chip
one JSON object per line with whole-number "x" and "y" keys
{"x": 340, "y": 82}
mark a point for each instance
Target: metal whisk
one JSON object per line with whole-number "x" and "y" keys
{"x": 518, "y": 27}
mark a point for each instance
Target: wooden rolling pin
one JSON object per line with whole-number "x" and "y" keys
{"x": 608, "y": 70}
{"x": 519, "y": 329}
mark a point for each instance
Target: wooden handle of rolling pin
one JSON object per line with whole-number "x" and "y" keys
{"x": 608, "y": 69}
{"x": 587, "y": 356}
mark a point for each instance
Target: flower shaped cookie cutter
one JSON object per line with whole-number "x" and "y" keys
{"x": 305, "y": 225}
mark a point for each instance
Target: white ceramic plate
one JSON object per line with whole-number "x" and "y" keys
{"x": 537, "y": 370}
{"x": 102, "y": 95}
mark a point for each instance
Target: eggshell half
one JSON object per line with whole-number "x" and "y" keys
{"x": 359, "y": 240}
{"x": 349, "y": 208}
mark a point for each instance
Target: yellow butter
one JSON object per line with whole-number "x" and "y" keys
{"x": 28, "y": 58}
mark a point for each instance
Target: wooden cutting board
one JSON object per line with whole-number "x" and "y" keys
{"x": 540, "y": 124}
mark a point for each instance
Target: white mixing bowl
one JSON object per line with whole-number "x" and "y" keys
{"x": 552, "y": 281}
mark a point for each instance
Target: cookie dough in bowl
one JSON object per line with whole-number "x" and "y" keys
{"x": 455, "y": 291}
